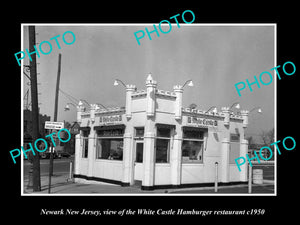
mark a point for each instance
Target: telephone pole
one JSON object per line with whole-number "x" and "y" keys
{"x": 54, "y": 119}
{"x": 35, "y": 111}
{"x": 57, "y": 88}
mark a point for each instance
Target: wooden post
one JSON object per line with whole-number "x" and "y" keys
{"x": 35, "y": 109}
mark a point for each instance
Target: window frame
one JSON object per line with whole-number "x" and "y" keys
{"x": 163, "y": 138}
{"x": 85, "y": 144}
{"x": 201, "y": 140}
{"x": 99, "y": 138}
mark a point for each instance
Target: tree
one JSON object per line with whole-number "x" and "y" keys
{"x": 70, "y": 145}
{"x": 268, "y": 138}
{"x": 250, "y": 141}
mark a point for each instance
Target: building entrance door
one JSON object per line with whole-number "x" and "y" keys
{"x": 138, "y": 163}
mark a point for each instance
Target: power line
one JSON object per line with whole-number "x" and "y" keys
{"x": 70, "y": 97}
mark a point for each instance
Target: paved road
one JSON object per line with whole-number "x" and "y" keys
{"x": 242, "y": 189}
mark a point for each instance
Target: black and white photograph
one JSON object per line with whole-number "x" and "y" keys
{"x": 154, "y": 115}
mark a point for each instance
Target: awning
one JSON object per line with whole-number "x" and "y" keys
{"x": 85, "y": 128}
{"x": 163, "y": 125}
{"x": 187, "y": 128}
{"x": 110, "y": 127}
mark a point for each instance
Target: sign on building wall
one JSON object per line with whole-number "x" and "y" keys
{"x": 108, "y": 120}
{"x": 196, "y": 121}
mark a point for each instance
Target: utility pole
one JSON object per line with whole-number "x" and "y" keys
{"x": 54, "y": 120}
{"x": 35, "y": 110}
{"x": 57, "y": 88}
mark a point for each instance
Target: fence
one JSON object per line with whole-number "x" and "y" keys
{"x": 256, "y": 176}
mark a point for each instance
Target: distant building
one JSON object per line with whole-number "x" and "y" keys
{"x": 28, "y": 126}
{"x": 264, "y": 152}
{"x": 74, "y": 129}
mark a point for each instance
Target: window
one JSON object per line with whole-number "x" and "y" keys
{"x": 139, "y": 150}
{"x": 163, "y": 144}
{"x": 192, "y": 151}
{"x": 193, "y": 134}
{"x": 109, "y": 144}
{"x": 162, "y": 150}
{"x": 139, "y": 132}
{"x": 193, "y": 145}
{"x": 234, "y": 137}
{"x": 234, "y": 149}
{"x": 85, "y": 144}
{"x": 109, "y": 148}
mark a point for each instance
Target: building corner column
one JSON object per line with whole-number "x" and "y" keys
{"x": 226, "y": 112}
{"x": 148, "y": 161}
{"x": 175, "y": 158}
{"x": 130, "y": 88}
{"x": 245, "y": 114}
{"x": 151, "y": 96}
{"x": 80, "y": 109}
{"x": 128, "y": 165}
{"x": 244, "y": 167}
{"x": 77, "y": 154}
{"x": 149, "y": 137}
{"x": 91, "y": 152}
{"x": 225, "y": 169}
{"x": 178, "y": 102}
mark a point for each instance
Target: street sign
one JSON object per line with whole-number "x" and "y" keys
{"x": 54, "y": 125}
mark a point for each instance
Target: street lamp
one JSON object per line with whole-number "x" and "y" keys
{"x": 213, "y": 108}
{"x": 81, "y": 102}
{"x": 101, "y": 105}
{"x": 67, "y": 107}
{"x": 117, "y": 82}
{"x": 258, "y": 110}
{"x": 189, "y": 83}
{"x": 236, "y": 105}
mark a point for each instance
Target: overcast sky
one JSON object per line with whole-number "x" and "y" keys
{"x": 214, "y": 57}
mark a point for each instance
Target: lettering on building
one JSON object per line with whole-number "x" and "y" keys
{"x": 196, "y": 121}
{"x": 115, "y": 119}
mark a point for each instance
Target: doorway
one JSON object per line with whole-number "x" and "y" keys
{"x": 138, "y": 161}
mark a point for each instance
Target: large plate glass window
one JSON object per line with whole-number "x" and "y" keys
{"x": 162, "y": 148}
{"x": 109, "y": 144}
{"x": 193, "y": 145}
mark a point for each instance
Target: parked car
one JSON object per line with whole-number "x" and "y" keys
{"x": 64, "y": 155}
{"x": 46, "y": 155}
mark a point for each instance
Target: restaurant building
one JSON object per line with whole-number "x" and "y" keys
{"x": 156, "y": 141}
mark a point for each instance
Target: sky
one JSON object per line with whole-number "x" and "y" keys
{"x": 215, "y": 57}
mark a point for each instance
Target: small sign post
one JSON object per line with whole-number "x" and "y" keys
{"x": 54, "y": 125}
{"x": 50, "y": 125}
{"x": 216, "y": 176}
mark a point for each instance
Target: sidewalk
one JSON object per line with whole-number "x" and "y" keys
{"x": 61, "y": 186}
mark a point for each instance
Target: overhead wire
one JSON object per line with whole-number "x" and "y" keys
{"x": 70, "y": 97}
